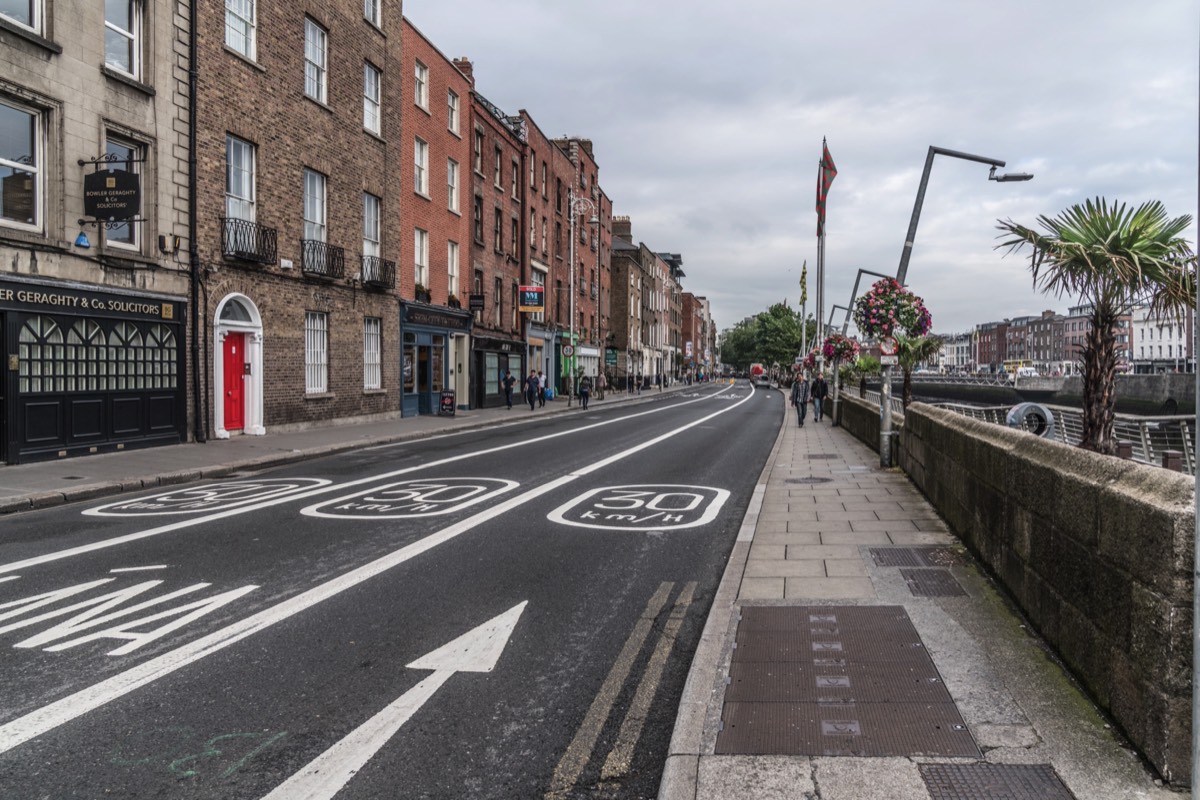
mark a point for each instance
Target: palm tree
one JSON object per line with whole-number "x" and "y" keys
{"x": 910, "y": 351}
{"x": 1114, "y": 259}
{"x": 864, "y": 367}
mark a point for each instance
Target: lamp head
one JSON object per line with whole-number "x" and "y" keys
{"x": 1009, "y": 177}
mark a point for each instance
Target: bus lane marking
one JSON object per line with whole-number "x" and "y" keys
{"x": 211, "y": 497}
{"x": 428, "y": 497}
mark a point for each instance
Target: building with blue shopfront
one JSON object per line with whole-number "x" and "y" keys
{"x": 434, "y": 356}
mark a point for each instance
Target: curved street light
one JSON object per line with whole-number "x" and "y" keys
{"x": 575, "y": 206}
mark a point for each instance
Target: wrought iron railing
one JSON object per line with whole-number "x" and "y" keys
{"x": 248, "y": 241}
{"x": 321, "y": 259}
{"x": 378, "y": 273}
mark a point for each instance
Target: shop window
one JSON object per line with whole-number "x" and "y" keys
{"x": 436, "y": 355}
{"x": 86, "y": 360}
{"x": 40, "y": 349}
{"x": 410, "y": 362}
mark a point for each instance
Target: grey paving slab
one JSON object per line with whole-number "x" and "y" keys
{"x": 754, "y": 778}
{"x": 826, "y": 515}
{"x": 855, "y": 537}
{"x": 775, "y": 537}
{"x": 828, "y": 588}
{"x": 762, "y": 589}
{"x": 823, "y": 551}
{"x": 845, "y": 568}
{"x": 869, "y": 779}
{"x": 786, "y": 569}
{"x": 767, "y": 551}
{"x": 920, "y": 537}
{"x": 883, "y": 525}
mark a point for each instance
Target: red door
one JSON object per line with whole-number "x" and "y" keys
{"x": 235, "y": 360}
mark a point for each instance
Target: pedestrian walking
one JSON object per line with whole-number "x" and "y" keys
{"x": 800, "y": 396}
{"x": 585, "y": 391}
{"x": 531, "y": 390}
{"x": 506, "y": 385}
{"x": 819, "y": 391}
{"x": 541, "y": 389}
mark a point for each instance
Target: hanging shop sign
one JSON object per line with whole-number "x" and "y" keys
{"x": 533, "y": 299}
{"x": 114, "y": 194}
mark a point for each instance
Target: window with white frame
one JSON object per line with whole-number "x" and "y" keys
{"x": 452, "y": 267}
{"x": 498, "y": 175}
{"x": 452, "y": 185}
{"x": 421, "y": 257}
{"x": 316, "y": 60}
{"x": 498, "y": 289}
{"x": 316, "y": 352}
{"x": 373, "y": 12}
{"x": 21, "y": 156}
{"x": 239, "y": 179}
{"x": 421, "y": 85}
{"x": 314, "y": 205}
{"x": 372, "y": 353}
{"x": 420, "y": 167}
{"x": 539, "y": 279}
{"x": 372, "y": 98}
{"x": 240, "y": 28}
{"x": 452, "y": 111}
{"x": 126, "y": 156}
{"x": 516, "y": 178}
{"x": 371, "y": 206}
{"x": 478, "y": 151}
{"x": 25, "y": 13}
{"x": 122, "y": 35}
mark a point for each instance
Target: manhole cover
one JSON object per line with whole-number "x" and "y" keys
{"x": 932, "y": 583}
{"x": 809, "y": 479}
{"x": 822, "y": 455}
{"x": 993, "y": 782}
{"x": 931, "y": 556}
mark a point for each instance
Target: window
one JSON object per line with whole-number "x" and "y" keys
{"x": 543, "y": 180}
{"x": 478, "y": 219}
{"x": 123, "y": 234}
{"x": 544, "y": 221}
{"x": 421, "y": 167}
{"x": 498, "y": 231}
{"x": 532, "y": 170}
{"x": 516, "y": 178}
{"x": 514, "y": 305}
{"x": 479, "y": 151}
{"x": 373, "y": 12}
{"x": 498, "y": 289}
{"x": 371, "y": 98}
{"x": 478, "y": 289}
{"x": 498, "y": 175}
{"x": 20, "y": 166}
{"x": 122, "y": 23}
{"x": 452, "y": 267}
{"x": 240, "y": 26}
{"x": 316, "y": 53}
{"x": 372, "y": 353}
{"x": 371, "y": 205}
{"x": 421, "y": 257}
{"x": 421, "y": 85}
{"x": 452, "y": 185}
{"x": 316, "y": 352}
{"x": 539, "y": 279}
{"x": 452, "y": 110}
{"x": 26, "y": 13}
{"x": 515, "y": 234}
{"x": 314, "y": 206}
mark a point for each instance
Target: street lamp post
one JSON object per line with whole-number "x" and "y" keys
{"x": 574, "y": 205}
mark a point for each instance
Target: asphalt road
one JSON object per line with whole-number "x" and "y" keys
{"x": 507, "y": 613}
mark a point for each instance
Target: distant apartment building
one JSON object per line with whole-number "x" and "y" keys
{"x": 991, "y": 346}
{"x": 1045, "y": 343}
{"x": 1162, "y": 343}
{"x": 1076, "y": 325}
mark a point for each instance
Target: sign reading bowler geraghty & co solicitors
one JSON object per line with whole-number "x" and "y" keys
{"x": 112, "y": 194}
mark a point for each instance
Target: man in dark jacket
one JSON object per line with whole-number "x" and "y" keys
{"x": 819, "y": 391}
{"x": 800, "y": 396}
{"x": 507, "y": 383}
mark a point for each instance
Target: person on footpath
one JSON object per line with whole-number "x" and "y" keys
{"x": 541, "y": 389}
{"x": 819, "y": 391}
{"x": 531, "y": 390}
{"x": 800, "y": 396}
{"x": 585, "y": 391}
{"x": 507, "y": 383}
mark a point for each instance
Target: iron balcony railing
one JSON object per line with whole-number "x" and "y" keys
{"x": 248, "y": 241}
{"x": 321, "y": 259}
{"x": 378, "y": 273}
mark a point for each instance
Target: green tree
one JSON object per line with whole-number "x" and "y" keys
{"x": 910, "y": 351}
{"x": 1114, "y": 259}
{"x": 864, "y": 367}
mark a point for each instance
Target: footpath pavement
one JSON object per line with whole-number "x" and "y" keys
{"x": 810, "y": 683}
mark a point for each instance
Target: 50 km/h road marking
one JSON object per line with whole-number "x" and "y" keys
{"x": 654, "y": 507}
{"x": 71, "y": 707}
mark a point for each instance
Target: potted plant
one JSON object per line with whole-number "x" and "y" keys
{"x": 422, "y": 293}
{"x": 453, "y": 301}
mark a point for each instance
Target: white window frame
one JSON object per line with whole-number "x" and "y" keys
{"x": 420, "y": 166}
{"x": 373, "y": 12}
{"x": 33, "y": 169}
{"x": 421, "y": 257}
{"x": 371, "y": 225}
{"x": 241, "y": 27}
{"x": 136, "y": 153}
{"x": 36, "y": 14}
{"x": 453, "y": 105}
{"x": 372, "y": 98}
{"x": 452, "y": 175}
{"x": 372, "y": 353}
{"x": 516, "y": 179}
{"x": 316, "y": 61}
{"x": 539, "y": 279}
{"x": 315, "y": 205}
{"x": 316, "y": 352}
{"x": 239, "y": 179}
{"x": 132, "y": 37}
{"x": 421, "y": 86}
{"x": 452, "y": 263}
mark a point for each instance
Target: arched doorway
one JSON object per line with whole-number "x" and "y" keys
{"x": 237, "y": 368}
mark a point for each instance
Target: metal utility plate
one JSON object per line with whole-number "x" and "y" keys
{"x": 993, "y": 782}
{"x": 836, "y": 680}
{"x": 932, "y": 583}
{"x": 928, "y": 556}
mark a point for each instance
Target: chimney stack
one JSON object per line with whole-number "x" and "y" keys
{"x": 465, "y": 66}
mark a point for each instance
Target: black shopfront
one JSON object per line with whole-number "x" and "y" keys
{"x": 88, "y": 371}
{"x": 492, "y": 356}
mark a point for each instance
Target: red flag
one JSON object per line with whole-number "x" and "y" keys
{"x": 826, "y": 172}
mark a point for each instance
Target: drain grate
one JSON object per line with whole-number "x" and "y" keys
{"x": 932, "y": 583}
{"x": 823, "y": 455}
{"x": 993, "y": 782}
{"x": 833, "y": 681}
{"x": 931, "y": 556}
{"x": 810, "y": 479}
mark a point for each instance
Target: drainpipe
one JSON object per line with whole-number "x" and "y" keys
{"x": 200, "y": 420}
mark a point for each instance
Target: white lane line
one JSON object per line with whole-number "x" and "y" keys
{"x": 136, "y": 569}
{"x": 47, "y": 718}
{"x": 9, "y": 578}
{"x": 187, "y": 523}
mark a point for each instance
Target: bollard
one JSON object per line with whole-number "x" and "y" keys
{"x": 1125, "y": 450}
{"x": 1172, "y": 460}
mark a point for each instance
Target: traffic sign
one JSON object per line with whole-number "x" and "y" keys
{"x": 889, "y": 361}
{"x": 888, "y": 347}
{"x": 568, "y": 350}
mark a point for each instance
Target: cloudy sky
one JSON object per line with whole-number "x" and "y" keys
{"x": 707, "y": 119}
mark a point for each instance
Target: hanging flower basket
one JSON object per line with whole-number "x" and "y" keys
{"x": 888, "y": 308}
{"x": 810, "y": 361}
{"x": 839, "y": 348}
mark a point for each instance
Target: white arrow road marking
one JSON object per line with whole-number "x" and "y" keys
{"x": 475, "y": 651}
{"x": 73, "y": 706}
